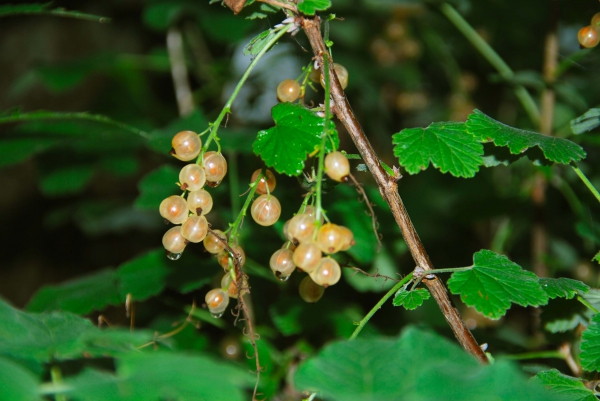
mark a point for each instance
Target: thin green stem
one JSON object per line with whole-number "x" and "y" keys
{"x": 493, "y": 58}
{"x": 587, "y": 304}
{"x": 535, "y": 355}
{"x": 586, "y": 181}
{"x": 377, "y": 306}
{"x": 227, "y": 108}
{"x": 324, "y": 135}
{"x": 238, "y": 221}
{"x": 56, "y": 375}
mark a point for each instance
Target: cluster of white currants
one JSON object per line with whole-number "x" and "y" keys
{"x": 289, "y": 90}
{"x": 308, "y": 239}
{"x": 188, "y": 213}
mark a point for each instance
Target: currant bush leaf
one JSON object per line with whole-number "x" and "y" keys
{"x": 297, "y": 132}
{"x": 597, "y": 257}
{"x": 486, "y": 129}
{"x": 563, "y": 287}
{"x": 370, "y": 370}
{"x": 259, "y": 42}
{"x": 494, "y": 282}
{"x": 411, "y": 299}
{"x": 46, "y": 337}
{"x": 590, "y": 345}
{"x": 309, "y": 7}
{"x": 156, "y": 186}
{"x": 587, "y": 122}
{"x": 446, "y": 145}
{"x": 571, "y": 388}
{"x": 18, "y": 384}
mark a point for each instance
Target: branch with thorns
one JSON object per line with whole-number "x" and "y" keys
{"x": 241, "y": 305}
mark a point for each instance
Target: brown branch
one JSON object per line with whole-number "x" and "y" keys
{"x": 371, "y": 213}
{"x": 389, "y": 191}
{"x": 239, "y": 275}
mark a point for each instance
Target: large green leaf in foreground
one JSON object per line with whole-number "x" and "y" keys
{"x": 590, "y": 345}
{"x": 446, "y": 145}
{"x": 570, "y": 388}
{"x": 494, "y": 282}
{"x": 297, "y": 133}
{"x": 420, "y": 366}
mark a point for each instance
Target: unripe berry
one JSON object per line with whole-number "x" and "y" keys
{"x": 186, "y": 145}
{"x": 269, "y": 180}
{"x": 192, "y": 177}
{"x": 266, "y": 210}
{"x": 174, "y": 208}
{"x": 337, "y": 166}
{"x": 310, "y": 291}
{"x": 173, "y": 240}
{"x": 288, "y": 90}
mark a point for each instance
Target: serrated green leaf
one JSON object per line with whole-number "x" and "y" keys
{"x": 446, "y": 145}
{"x": 569, "y": 387}
{"x": 259, "y": 42}
{"x": 494, "y": 282}
{"x": 43, "y": 8}
{"x": 66, "y": 181}
{"x": 563, "y": 287}
{"x": 297, "y": 132}
{"x": 45, "y": 337}
{"x": 590, "y": 345}
{"x": 156, "y": 186}
{"x": 137, "y": 378}
{"x": 80, "y": 296}
{"x": 382, "y": 369}
{"x": 597, "y": 257}
{"x": 562, "y": 315}
{"x": 558, "y": 150}
{"x": 18, "y": 384}
{"x": 587, "y": 122}
{"x": 411, "y": 300}
{"x": 309, "y": 7}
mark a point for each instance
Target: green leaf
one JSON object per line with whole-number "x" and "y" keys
{"x": 161, "y": 375}
{"x": 18, "y": 384}
{"x": 16, "y": 150}
{"x": 569, "y": 387}
{"x": 259, "y": 42}
{"x": 494, "y": 282}
{"x": 587, "y": 122}
{"x": 60, "y": 336}
{"x": 156, "y": 186}
{"x": 42, "y": 9}
{"x": 486, "y": 129}
{"x": 80, "y": 296}
{"x": 597, "y": 257}
{"x": 562, "y": 315}
{"x": 143, "y": 276}
{"x": 309, "y": 7}
{"x": 160, "y": 140}
{"x": 296, "y": 134}
{"x": 563, "y": 287}
{"x": 66, "y": 181}
{"x": 411, "y": 300}
{"x": 590, "y": 345}
{"x": 263, "y": 11}
{"x": 382, "y": 369}
{"x": 446, "y": 145}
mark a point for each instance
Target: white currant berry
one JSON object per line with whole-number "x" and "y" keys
{"x": 192, "y": 177}
{"x": 282, "y": 264}
{"x": 195, "y": 228}
{"x": 174, "y": 208}
{"x": 327, "y": 273}
{"x": 269, "y": 181}
{"x": 288, "y": 90}
{"x": 337, "y": 166}
{"x": 215, "y": 167}
{"x": 225, "y": 259}
{"x": 266, "y": 210}
{"x": 186, "y": 145}
{"x": 217, "y": 301}
{"x": 310, "y": 291}
{"x": 342, "y": 74}
{"x": 307, "y": 256}
{"x": 199, "y": 202}
{"x": 173, "y": 240}
{"x": 230, "y": 287}
{"x": 330, "y": 238}
{"x": 213, "y": 244}
{"x": 301, "y": 227}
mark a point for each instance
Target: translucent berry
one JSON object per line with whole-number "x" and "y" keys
{"x": 588, "y": 36}
{"x": 327, "y": 273}
{"x": 215, "y": 167}
{"x": 199, "y": 202}
{"x": 330, "y": 238}
{"x": 195, "y": 228}
{"x": 173, "y": 240}
{"x": 348, "y": 238}
{"x": 310, "y": 291}
{"x": 217, "y": 301}
{"x": 337, "y": 166}
{"x": 342, "y": 74}
{"x": 192, "y": 177}
{"x": 315, "y": 75}
{"x": 186, "y": 145}
{"x": 307, "y": 256}
{"x": 289, "y": 245}
{"x": 288, "y": 90}
{"x": 174, "y": 208}
{"x": 302, "y": 227}
{"x": 230, "y": 287}
{"x": 213, "y": 244}
{"x": 282, "y": 263}
{"x": 225, "y": 259}
{"x": 595, "y": 20}
{"x": 261, "y": 187}
{"x": 266, "y": 210}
